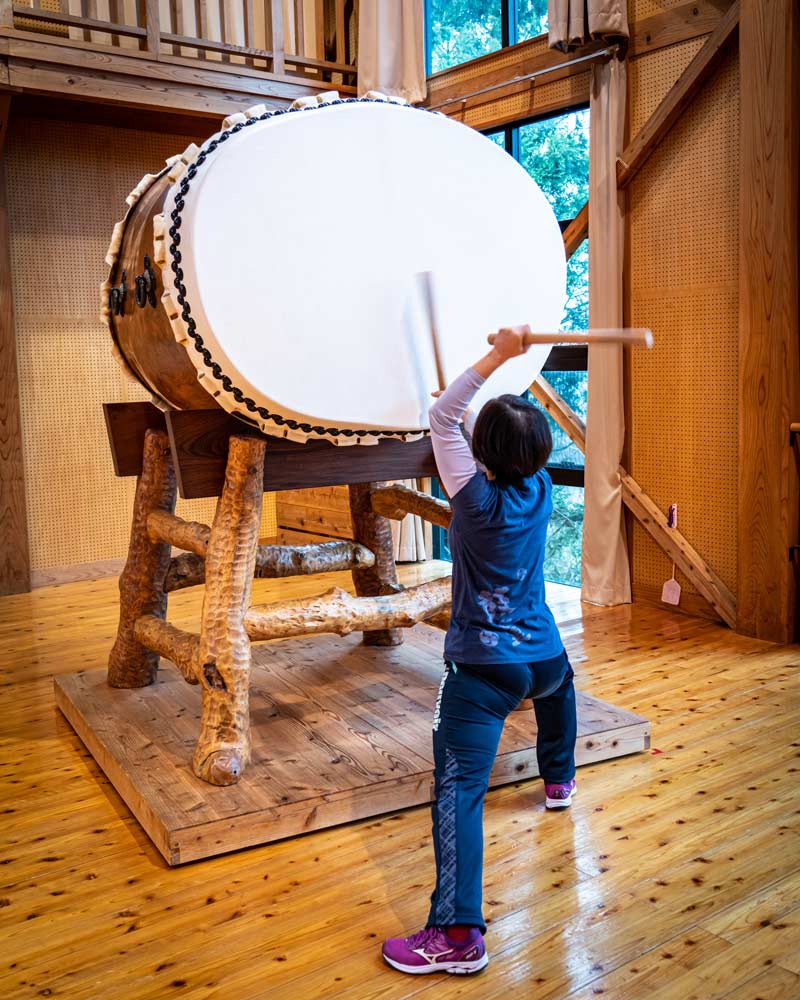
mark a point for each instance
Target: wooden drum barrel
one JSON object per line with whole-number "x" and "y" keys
{"x": 274, "y": 271}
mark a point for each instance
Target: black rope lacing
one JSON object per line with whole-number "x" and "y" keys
{"x": 186, "y": 312}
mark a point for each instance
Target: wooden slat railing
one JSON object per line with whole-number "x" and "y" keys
{"x": 248, "y": 33}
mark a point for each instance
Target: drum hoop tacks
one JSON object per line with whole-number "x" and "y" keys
{"x": 181, "y": 314}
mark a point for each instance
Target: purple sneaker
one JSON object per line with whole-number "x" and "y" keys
{"x": 559, "y": 796}
{"x": 430, "y": 950}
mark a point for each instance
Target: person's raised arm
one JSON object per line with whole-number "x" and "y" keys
{"x": 453, "y": 454}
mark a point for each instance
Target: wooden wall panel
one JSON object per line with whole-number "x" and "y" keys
{"x": 14, "y": 555}
{"x": 66, "y": 185}
{"x": 769, "y": 354}
{"x": 305, "y": 516}
{"x": 682, "y": 281}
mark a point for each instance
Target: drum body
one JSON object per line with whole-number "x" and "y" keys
{"x": 274, "y": 271}
{"x": 142, "y": 330}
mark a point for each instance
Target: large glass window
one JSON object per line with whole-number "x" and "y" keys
{"x": 459, "y": 30}
{"x": 531, "y": 18}
{"x": 555, "y": 151}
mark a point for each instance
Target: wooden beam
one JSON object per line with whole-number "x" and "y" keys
{"x": 75, "y": 69}
{"x": 577, "y": 231}
{"x": 563, "y": 414}
{"x": 199, "y": 441}
{"x": 74, "y": 21}
{"x": 6, "y": 14}
{"x": 14, "y": 554}
{"x": 769, "y": 356}
{"x": 685, "y": 557}
{"x": 656, "y": 128}
{"x": 670, "y": 540}
{"x": 677, "y": 24}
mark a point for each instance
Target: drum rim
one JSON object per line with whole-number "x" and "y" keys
{"x": 184, "y": 324}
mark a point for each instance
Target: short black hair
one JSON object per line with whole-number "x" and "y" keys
{"x": 511, "y": 439}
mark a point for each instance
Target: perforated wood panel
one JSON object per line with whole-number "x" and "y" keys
{"x": 683, "y": 282}
{"x": 66, "y": 187}
{"x": 638, "y": 9}
{"x": 532, "y": 100}
{"x": 466, "y": 72}
{"x": 539, "y": 96}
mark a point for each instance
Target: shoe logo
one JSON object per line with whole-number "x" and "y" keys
{"x": 470, "y": 956}
{"x": 431, "y": 956}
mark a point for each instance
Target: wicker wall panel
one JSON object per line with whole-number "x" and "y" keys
{"x": 66, "y": 187}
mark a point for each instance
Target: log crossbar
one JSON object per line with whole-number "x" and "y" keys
{"x": 173, "y": 643}
{"x": 396, "y": 502}
{"x": 339, "y": 612}
{"x": 272, "y": 561}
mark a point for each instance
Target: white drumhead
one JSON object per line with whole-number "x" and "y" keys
{"x": 301, "y": 240}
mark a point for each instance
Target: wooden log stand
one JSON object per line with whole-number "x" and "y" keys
{"x": 208, "y": 453}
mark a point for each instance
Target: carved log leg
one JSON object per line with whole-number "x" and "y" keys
{"x": 141, "y": 585}
{"x": 223, "y": 747}
{"x": 374, "y": 531}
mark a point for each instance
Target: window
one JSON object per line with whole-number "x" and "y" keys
{"x": 555, "y": 151}
{"x": 531, "y": 18}
{"x": 460, "y": 30}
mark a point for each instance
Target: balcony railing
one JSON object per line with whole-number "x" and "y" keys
{"x": 295, "y": 39}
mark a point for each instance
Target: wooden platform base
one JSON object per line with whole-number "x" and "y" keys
{"x": 341, "y": 731}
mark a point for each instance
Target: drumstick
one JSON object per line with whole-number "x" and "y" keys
{"x": 632, "y": 337}
{"x": 425, "y": 279}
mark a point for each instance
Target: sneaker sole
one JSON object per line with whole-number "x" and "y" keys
{"x": 454, "y": 968}
{"x": 559, "y": 803}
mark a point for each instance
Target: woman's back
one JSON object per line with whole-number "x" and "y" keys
{"x": 497, "y": 540}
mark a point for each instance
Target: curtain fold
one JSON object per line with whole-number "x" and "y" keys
{"x": 412, "y": 537}
{"x": 573, "y": 23}
{"x": 605, "y": 573}
{"x": 391, "y": 48}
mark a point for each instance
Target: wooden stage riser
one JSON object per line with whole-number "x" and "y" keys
{"x": 341, "y": 732}
{"x": 331, "y": 810}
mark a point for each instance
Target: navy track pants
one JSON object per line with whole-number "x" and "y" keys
{"x": 471, "y": 709}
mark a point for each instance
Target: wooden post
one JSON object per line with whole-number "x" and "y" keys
{"x": 141, "y": 585}
{"x": 6, "y": 14}
{"x": 223, "y": 747}
{"x": 375, "y": 532}
{"x": 273, "y": 13}
{"x": 153, "y": 27}
{"x": 769, "y": 355}
{"x": 14, "y": 556}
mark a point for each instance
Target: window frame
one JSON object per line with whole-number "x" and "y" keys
{"x": 566, "y": 358}
{"x": 508, "y": 32}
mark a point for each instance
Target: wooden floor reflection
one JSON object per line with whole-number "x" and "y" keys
{"x": 676, "y": 874}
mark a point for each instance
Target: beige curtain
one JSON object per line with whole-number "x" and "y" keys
{"x": 605, "y": 576}
{"x": 391, "y": 48}
{"x": 412, "y": 537}
{"x": 573, "y": 23}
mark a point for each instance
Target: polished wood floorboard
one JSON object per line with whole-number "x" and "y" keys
{"x": 340, "y": 731}
{"x": 676, "y": 874}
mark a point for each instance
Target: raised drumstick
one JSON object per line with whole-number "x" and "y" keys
{"x": 635, "y": 336}
{"x": 425, "y": 279}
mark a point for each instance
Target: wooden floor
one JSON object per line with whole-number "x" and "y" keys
{"x": 675, "y": 875}
{"x": 340, "y": 731}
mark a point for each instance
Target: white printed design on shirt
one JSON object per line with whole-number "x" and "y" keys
{"x": 495, "y": 603}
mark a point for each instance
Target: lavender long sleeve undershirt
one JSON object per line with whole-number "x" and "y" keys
{"x": 453, "y": 454}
